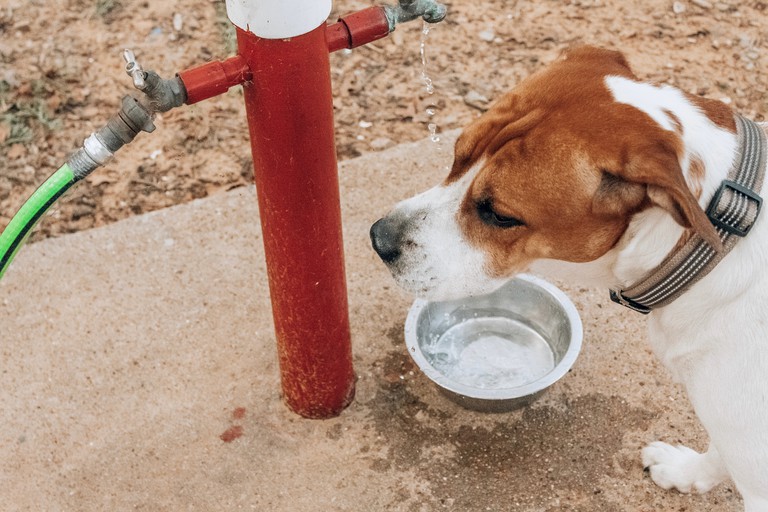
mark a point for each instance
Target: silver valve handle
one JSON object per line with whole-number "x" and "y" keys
{"x": 134, "y": 69}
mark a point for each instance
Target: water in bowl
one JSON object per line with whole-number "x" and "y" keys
{"x": 491, "y": 352}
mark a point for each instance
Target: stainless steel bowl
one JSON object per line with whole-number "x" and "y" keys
{"x": 496, "y": 352}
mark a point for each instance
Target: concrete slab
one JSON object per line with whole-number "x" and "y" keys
{"x": 139, "y": 372}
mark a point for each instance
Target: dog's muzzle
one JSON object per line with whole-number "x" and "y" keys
{"x": 387, "y": 235}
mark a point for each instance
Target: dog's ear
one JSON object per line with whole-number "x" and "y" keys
{"x": 617, "y": 196}
{"x": 490, "y": 132}
{"x": 653, "y": 176}
{"x": 473, "y": 141}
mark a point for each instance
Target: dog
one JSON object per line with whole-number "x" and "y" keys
{"x": 584, "y": 172}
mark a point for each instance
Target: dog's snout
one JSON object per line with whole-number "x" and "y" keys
{"x": 386, "y": 238}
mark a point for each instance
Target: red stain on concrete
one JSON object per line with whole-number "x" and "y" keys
{"x": 238, "y": 413}
{"x": 231, "y": 433}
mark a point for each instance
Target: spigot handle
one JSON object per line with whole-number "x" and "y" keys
{"x": 406, "y": 10}
{"x": 134, "y": 69}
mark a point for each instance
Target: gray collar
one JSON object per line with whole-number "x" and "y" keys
{"x": 733, "y": 211}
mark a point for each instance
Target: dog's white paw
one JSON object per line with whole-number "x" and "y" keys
{"x": 679, "y": 467}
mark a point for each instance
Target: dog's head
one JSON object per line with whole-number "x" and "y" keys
{"x": 555, "y": 169}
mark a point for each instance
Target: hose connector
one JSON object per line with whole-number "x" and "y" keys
{"x": 407, "y": 10}
{"x": 132, "y": 119}
{"x": 85, "y": 160}
{"x": 135, "y": 116}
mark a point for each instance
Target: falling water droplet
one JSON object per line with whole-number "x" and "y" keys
{"x": 431, "y": 110}
{"x": 433, "y": 132}
{"x": 423, "y": 52}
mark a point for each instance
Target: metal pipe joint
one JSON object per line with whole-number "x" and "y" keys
{"x": 407, "y": 10}
{"x": 160, "y": 95}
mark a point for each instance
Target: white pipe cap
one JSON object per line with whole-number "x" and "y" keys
{"x": 278, "y": 19}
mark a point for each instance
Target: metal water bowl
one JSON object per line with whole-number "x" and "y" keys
{"x": 496, "y": 352}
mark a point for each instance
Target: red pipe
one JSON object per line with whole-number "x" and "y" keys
{"x": 290, "y": 118}
{"x": 357, "y": 29}
{"x": 217, "y": 77}
{"x": 214, "y": 78}
{"x": 287, "y": 89}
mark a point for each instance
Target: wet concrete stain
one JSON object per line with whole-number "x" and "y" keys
{"x": 396, "y": 335}
{"x": 335, "y": 432}
{"x": 547, "y": 457}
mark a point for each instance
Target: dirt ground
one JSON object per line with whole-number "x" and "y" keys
{"x": 61, "y": 77}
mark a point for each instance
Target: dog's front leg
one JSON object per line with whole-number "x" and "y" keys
{"x": 679, "y": 467}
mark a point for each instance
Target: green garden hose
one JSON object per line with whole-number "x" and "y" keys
{"x": 17, "y": 231}
{"x": 135, "y": 116}
{"x": 96, "y": 150}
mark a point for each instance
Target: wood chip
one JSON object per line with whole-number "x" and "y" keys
{"x": 16, "y": 151}
{"x": 702, "y": 3}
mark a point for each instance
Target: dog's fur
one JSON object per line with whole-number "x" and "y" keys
{"x": 607, "y": 174}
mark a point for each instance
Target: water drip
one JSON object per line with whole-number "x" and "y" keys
{"x": 428, "y": 84}
{"x": 423, "y": 52}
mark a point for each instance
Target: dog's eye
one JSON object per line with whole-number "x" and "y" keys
{"x": 492, "y": 218}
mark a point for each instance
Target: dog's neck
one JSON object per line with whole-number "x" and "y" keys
{"x": 708, "y": 155}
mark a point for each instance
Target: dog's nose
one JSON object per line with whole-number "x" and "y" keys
{"x": 386, "y": 237}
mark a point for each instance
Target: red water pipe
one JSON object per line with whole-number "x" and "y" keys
{"x": 214, "y": 78}
{"x": 290, "y": 117}
{"x": 287, "y": 90}
{"x": 357, "y": 29}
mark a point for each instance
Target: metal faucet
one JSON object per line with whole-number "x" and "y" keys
{"x": 407, "y": 10}
{"x": 161, "y": 95}
{"x": 135, "y": 116}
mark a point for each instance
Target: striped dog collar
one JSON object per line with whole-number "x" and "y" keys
{"x": 733, "y": 211}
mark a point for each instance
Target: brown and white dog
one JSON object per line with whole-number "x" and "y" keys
{"x": 584, "y": 171}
